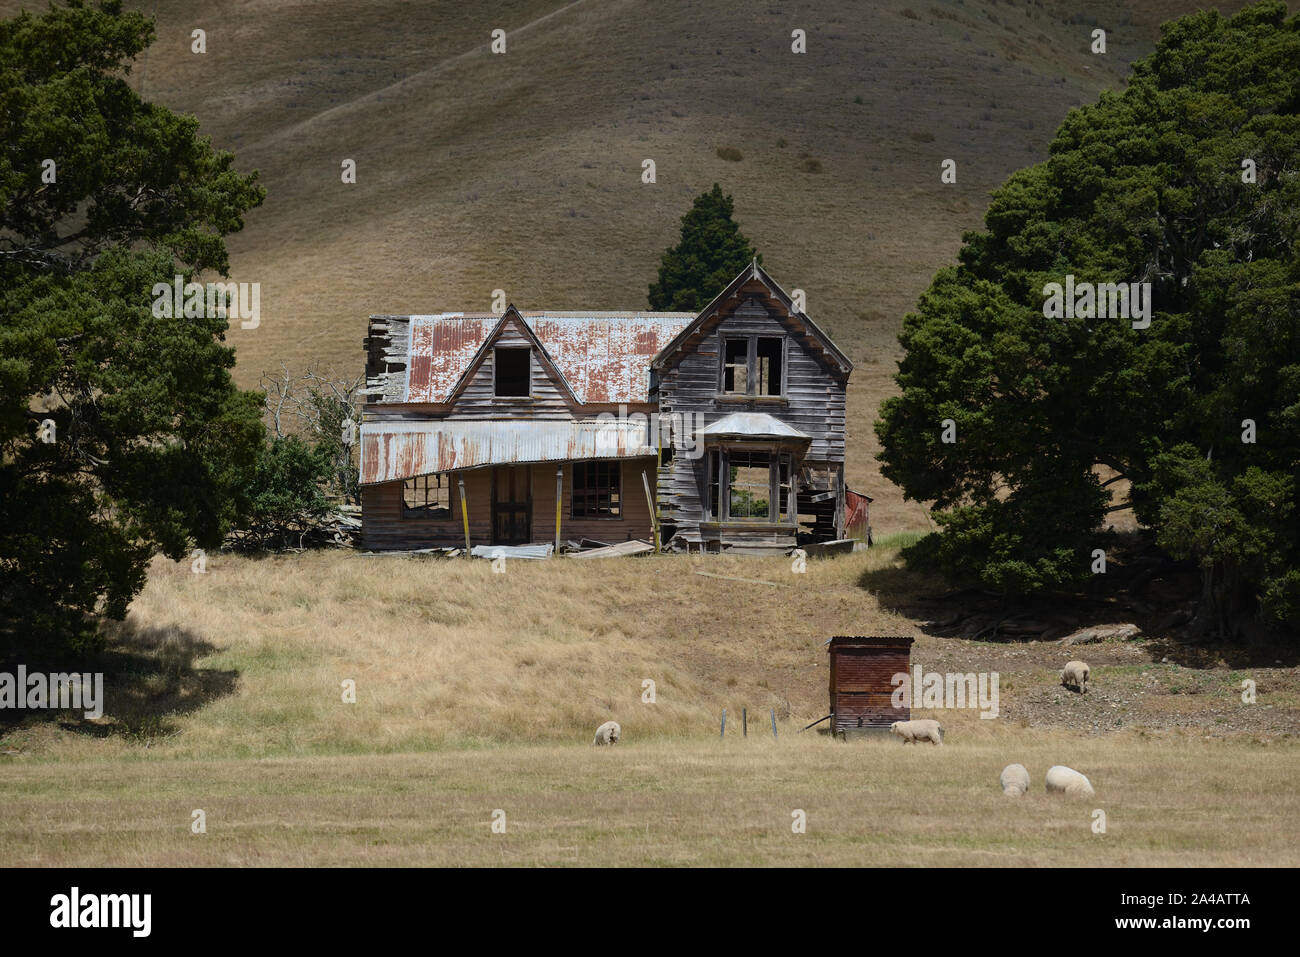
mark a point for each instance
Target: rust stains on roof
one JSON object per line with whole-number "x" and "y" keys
{"x": 391, "y": 451}
{"x": 606, "y": 356}
{"x": 442, "y": 346}
{"x": 603, "y": 356}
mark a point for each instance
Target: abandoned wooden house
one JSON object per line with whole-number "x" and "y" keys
{"x": 722, "y": 430}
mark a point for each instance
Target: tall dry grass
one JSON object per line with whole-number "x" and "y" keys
{"x": 248, "y": 659}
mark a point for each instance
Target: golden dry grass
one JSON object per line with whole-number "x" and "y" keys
{"x": 478, "y": 691}
{"x": 668, "y": 803}
{"x": 248, "y": 659}
{"x": 448, "y": 653}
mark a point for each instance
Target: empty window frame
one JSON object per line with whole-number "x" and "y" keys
{"x": 427, "y": 496}
{"x": 715, "y": 486}
{"x": 597, "y": 490}
{"x": 769, "y": 360}
{"x": 512, "y": 372}
{"x": 784, "y": 482}
{"x": 753, "y": 365}
{"x": 753, "y": 485}
{"x": 735, "y": 367}
{"x": 749, "y": 489}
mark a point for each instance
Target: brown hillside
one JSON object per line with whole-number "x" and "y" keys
{"x": 522, "y": 171}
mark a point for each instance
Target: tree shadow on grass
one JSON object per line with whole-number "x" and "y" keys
{"x": 1259, "y": 648}
{"x": 149, "y": 679}
{"x": 1140, "y": 587}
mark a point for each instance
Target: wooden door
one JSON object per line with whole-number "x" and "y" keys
{"x": 512, "y": 505}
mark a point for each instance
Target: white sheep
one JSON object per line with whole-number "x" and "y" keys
{"x": 1075, "y": 675}
{"x": 918, "y": 729}
{"x": 1014, "y": 780}
{"x": 607, "y": 733}
{"x": 1068, "y": 781}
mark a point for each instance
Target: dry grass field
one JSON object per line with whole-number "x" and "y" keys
{"x": 699, "y": 802}
{"x": 479, "y": 691}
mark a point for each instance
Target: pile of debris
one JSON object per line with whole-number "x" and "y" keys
{"x": 585, "y": 548}
{"x": 340, "y": 527}
{"x": 344, "y": 526}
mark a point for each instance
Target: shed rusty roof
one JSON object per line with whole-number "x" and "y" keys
{"x": 395, "y": 450}
{"x": 603, "y": 356}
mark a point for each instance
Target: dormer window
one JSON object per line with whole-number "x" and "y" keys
{"x": 753, "y": 365}
{"x": 512, "y": 372}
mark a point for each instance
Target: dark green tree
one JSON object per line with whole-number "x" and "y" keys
{"x": 286, "y": 494}
{"x": 1188, "y": 180}
{"x": 102, "y": 196}
{"x": 711, "y": 253}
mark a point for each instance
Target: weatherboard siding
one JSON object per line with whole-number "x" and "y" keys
{"x": 813, "y": 402}
{"x": 385, "y": 528}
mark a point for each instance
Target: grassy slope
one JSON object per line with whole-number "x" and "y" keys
{"x": 522, "y": 171}
{"x": 479, "y": 691}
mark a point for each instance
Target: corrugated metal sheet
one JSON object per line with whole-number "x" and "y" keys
{"x": 391, "y": 451}
{"x": 857, "y": 514}
{"x": 604, "y": 356}
{"x": 441, "y": 349}
{"x": 512, "y": 551}
{"x": 753, "y": 425}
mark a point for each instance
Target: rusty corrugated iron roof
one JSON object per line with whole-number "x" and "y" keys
{"x": 606, "y": 356}
{"x": 441, "y": 349}
{"x": 603, "y": 356}
{"x": 395, "y": 450}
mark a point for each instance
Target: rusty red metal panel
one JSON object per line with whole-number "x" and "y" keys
{"x": 405, "y": 449}
{"x": 442, "y": 348}
{"x": 857, "y": 514}
{"x": 605, "y": 357}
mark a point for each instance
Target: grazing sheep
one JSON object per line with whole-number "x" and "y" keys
{"x": 1014, "y": 780}
{"x": 607, "y": 733}
{"x": 1075, "y": 675}
{"x": 919, "y": 729}
{"x": 1068, "y": 781}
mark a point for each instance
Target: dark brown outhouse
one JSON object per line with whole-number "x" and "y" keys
{"x": 861, "y": 686}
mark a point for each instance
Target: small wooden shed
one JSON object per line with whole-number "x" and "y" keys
{"x": 860, "y": 685}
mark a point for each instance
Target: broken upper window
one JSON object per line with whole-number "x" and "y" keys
{"x": 512, "y": 370}
{"x": 753, "y": 365}
{"x": 597, "y": 490}
{"x": 427, "y": 496}
{"x": 735, "y": 367}
{"x": 768, "y": 356}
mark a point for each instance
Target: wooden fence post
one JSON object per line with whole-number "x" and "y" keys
{"x": 464, "y": 514}
{"x": 650, "y": 502}
{"x": 559, "y": 500}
